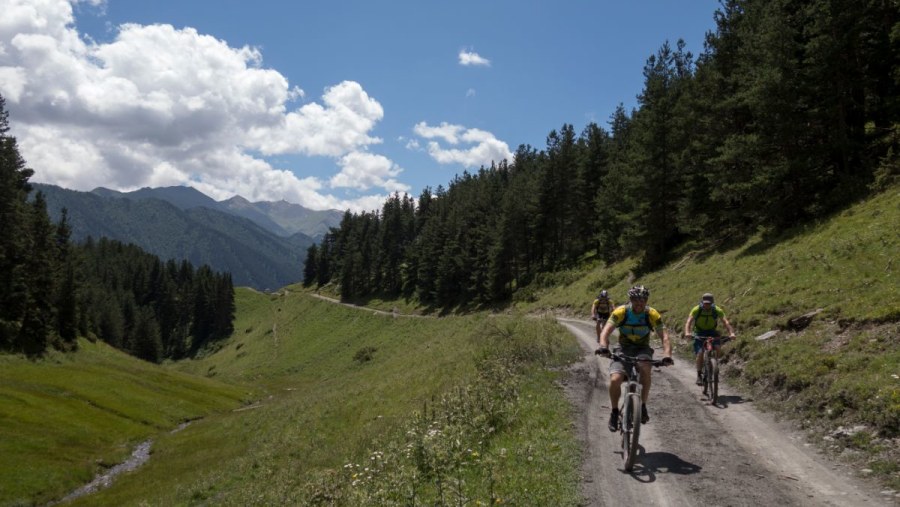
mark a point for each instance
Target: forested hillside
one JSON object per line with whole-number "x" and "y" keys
{"x": 789, "y": 113}
{"x": 53, "y": 290}
{"x": 254, "y": 256}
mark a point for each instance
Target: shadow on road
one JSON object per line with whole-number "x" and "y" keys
{"x": 724, "y": 401}
{"x": 650, "y": 464}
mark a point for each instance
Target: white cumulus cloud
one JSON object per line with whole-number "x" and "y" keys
{"x": 479, "y": 147}
{"x": 365, "y": 170}
{"x": 473, "y": 58}
{"x": 164, "y": 106}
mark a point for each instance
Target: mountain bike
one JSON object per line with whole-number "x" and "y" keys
{"x": 630, "y": 406}
{"x": 710, "y": 372}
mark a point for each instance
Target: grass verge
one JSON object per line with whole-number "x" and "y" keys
{"x": 67, "y": 416}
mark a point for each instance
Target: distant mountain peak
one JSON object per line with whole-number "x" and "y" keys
{"x": 237, "y": 200}
{"x": 280, "y": 217}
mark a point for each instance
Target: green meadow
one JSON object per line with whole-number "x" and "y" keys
{"x": 311, "y": 402}
{"x": 67, "y": 416}
{"x": 356, "y": 408}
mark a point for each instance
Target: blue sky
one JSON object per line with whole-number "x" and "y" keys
{"x": 326, "y": 104}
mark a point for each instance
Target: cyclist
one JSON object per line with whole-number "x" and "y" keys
{"x": 635, "y": 322}
{"x": 702, "y": 323}
{"x": 600, "y": 310}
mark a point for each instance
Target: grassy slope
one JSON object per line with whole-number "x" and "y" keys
{"x": 320, "y": 408}
{"x": 64, "y": 417}
{"x": 841, "y": 370}
{"x": 317, "y": 408}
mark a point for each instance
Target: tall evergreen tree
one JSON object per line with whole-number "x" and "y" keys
{"x": 67, "y": 286}
{"x": 14, "y": 241}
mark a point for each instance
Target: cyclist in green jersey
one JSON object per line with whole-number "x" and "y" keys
{"x": 702, "y": 322}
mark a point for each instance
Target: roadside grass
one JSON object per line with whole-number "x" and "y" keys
{"x": 65, "y": 417}
{"x": 459, "y": 409}
{"x": 841, "y": 370}
{"x": 322, "y": 405}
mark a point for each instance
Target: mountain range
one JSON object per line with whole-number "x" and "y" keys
{"x": 263, "y": 245}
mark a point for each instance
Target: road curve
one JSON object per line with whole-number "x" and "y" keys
{"x": 693, "y": 453}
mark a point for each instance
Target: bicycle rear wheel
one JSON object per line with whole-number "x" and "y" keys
{"x": 631, "y": 432}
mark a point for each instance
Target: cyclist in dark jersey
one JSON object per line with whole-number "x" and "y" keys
{"x": 601, "y": 308}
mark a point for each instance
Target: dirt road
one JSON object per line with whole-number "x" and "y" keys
{"x": 693, "y": 453}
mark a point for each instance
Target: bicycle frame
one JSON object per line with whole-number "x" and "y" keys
{"x": 630, "y": 404}
{"x": 711, "y": 367}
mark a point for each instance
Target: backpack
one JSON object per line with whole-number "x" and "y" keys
{"x": 644, "y": 320}
{"x": 714, "y": 314}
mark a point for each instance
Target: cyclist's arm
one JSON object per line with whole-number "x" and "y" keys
{"x": 594, "y": 309}
{"x": 604, "y": 334}
{"x": 667, "y": 345}
{"x": 728, "y": 326}
{"x": 688, "y": 325}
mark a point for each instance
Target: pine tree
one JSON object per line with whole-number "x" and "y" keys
{"x": 67, "y": 291}
{"x": 310, "y": 265}
{"x": 14, "y": 241}
{"x": 147, "y": 341}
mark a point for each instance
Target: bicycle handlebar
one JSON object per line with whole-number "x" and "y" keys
{"x": 623, "y": 357}
{"x": 710, "y": 338}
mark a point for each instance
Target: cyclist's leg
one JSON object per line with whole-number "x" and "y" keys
{"x": 617, "y": 375}
{"x": 698, "y": 354}
{"x": 615, "y": 392}
{"x": 644, "y": 371}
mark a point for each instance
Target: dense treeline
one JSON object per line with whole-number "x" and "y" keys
{"x": 790, "y": 112}
{"x": 53, "y": 290}
{"x": 133, "y": 301}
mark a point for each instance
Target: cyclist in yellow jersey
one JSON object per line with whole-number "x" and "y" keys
{"x": 635, "y": 322}
{"x": 701, "y": 323}
{"x": 600, "y": 310}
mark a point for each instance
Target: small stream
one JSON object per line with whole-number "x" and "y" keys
{"x": 139, "y": 456}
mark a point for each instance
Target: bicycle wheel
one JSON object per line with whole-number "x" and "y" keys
{"x": 707, "y": 375}
{"x": 713, "y": 380}
{"x": 630, "y": 438}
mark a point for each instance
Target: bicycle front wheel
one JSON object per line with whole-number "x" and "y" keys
{"x": 632, "y": 433}
{"x": 714, "y": 380}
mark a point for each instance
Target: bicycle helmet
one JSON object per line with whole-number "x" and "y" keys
{"x": 603, "y": 295}
{"x": 639, "y": 292}
{"x": 707, "y": 297}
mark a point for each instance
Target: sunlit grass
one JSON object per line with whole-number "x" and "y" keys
{"x": 65, "y": 417}
{"x": 322, "y": 405}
